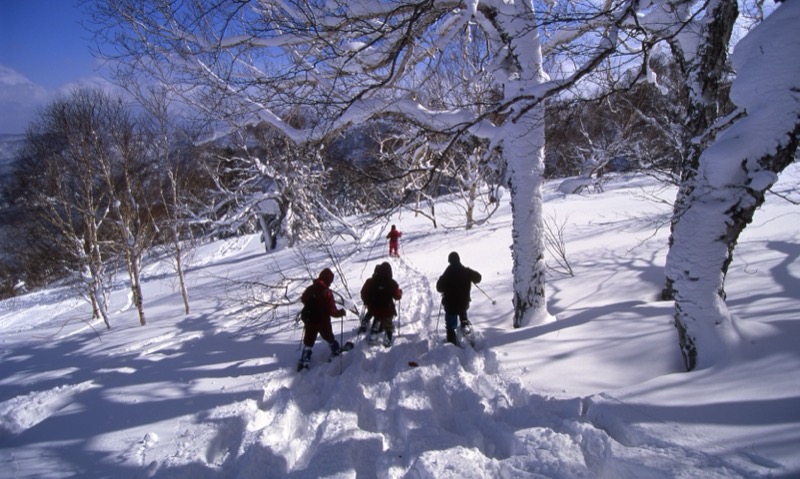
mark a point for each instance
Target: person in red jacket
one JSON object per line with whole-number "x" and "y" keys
{"x": 394, "y": 241}
{"x": 319, "y": 306}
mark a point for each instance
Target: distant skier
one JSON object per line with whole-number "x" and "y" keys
{"x": 394, "y": 241}
{"x": 379, "y": 293}
{"x": 455, "y": 284}
{"x": 318, "y": 308}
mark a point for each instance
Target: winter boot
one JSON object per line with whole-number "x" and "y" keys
{"x": 374, "y": 332}
{"x": 305, "y": 359}
{"x": 377, "y": 327}
{"x": 364, "y": 325}
{"x": 451, "y": 336}
{"x": 387, "y": 341}
{"x": 335, "y": 349}
{"x": 466, "y": 327}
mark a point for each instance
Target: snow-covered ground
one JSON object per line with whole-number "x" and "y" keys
{"x": 599, "y": 392}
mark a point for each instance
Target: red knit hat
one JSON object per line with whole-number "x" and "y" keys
{"x": 326, "y": 275}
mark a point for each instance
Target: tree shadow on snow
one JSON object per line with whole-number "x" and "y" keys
{"x": 145, "y": 383}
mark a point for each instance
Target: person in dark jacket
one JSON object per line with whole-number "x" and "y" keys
{"x": 379, "y": 294}
{"x": 394, "y": 241}
{"x": 455, "y": 285}
{"x": 319, "y": 299}
{"x": 367, "y": 319}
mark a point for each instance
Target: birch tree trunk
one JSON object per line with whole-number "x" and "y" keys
{"x": 704, "y": 71}
{"x": 758, "y": 142}
{"x": 523, "y": 149}
{"x": 525, "y": 161}
{"x": 697, "y": 263}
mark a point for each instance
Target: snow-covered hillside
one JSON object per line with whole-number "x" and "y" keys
{"x": 598, "y": 392}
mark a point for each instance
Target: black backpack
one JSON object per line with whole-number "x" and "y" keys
{"x": 310, "y": 300}
{"x": 380, "y": 297}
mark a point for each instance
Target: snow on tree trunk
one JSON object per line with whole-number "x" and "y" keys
{"x": 695, "y": 265}
{"x": 134, "y": 268}
{"x": 735, "y": 171}
{"x": 177, "y": 249}
{"x": 523, "y": 148}
{"x": 181, "y": 278}
{"x": 703, "y": 58}
{"x": 525, "y": 159}
{"x": 93, "y": 278}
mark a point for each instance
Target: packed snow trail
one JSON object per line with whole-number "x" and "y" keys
{"x": 368, "y": 413}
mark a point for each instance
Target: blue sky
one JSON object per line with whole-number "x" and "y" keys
{"x": 44, "y": 52}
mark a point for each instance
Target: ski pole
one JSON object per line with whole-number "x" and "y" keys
{"x": 302, "y": 332}
{"x": 399, "y": 310}
{"x": 341, "y": 331}
{"x": 484, "y": 293}
{"x": 438, "y": 315}
{"x": 341, "y": 343}
{"x": 361, "y": 320}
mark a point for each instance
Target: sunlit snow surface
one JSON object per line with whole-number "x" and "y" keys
{"x": 598, "y": 392}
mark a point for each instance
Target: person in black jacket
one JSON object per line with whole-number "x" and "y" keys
{"x": 365, "y": 291}
{"x": 455, "y": 284}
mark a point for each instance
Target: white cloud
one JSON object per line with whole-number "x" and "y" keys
{"x": 21, "y": 99}
{"x": 10, "y": 77}
{"x": 94, "y": 82}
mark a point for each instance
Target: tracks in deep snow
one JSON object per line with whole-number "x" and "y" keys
{"x": 373, "y": 396}
{"x": 455, "y": 415}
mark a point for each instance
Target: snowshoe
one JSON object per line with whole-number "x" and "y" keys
{"x": 468, "y": 336}
{"x": 466, "y": 328}
{"x": 387, "y": 341}
{"x": 373, "y": 336}
{"x": 338, "y": 352}
{"x": 305, "y": 359}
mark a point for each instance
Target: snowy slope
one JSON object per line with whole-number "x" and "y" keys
{"x": 598, "y": 392}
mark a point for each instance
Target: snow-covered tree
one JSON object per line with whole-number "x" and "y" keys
{"x": 746, "y": 151}
{"x": 636, "y": 126}
{"x": 87, "y": 185}
{"x": 425, "y": 167}
{"x": 259, "y": 179}
{"x": 126, "y": 169}
{"x": 701, "y": 51}
{"x": 173, "y": 231}
{"x": 65, "y": 164}
{"x": 352, "y": 60}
